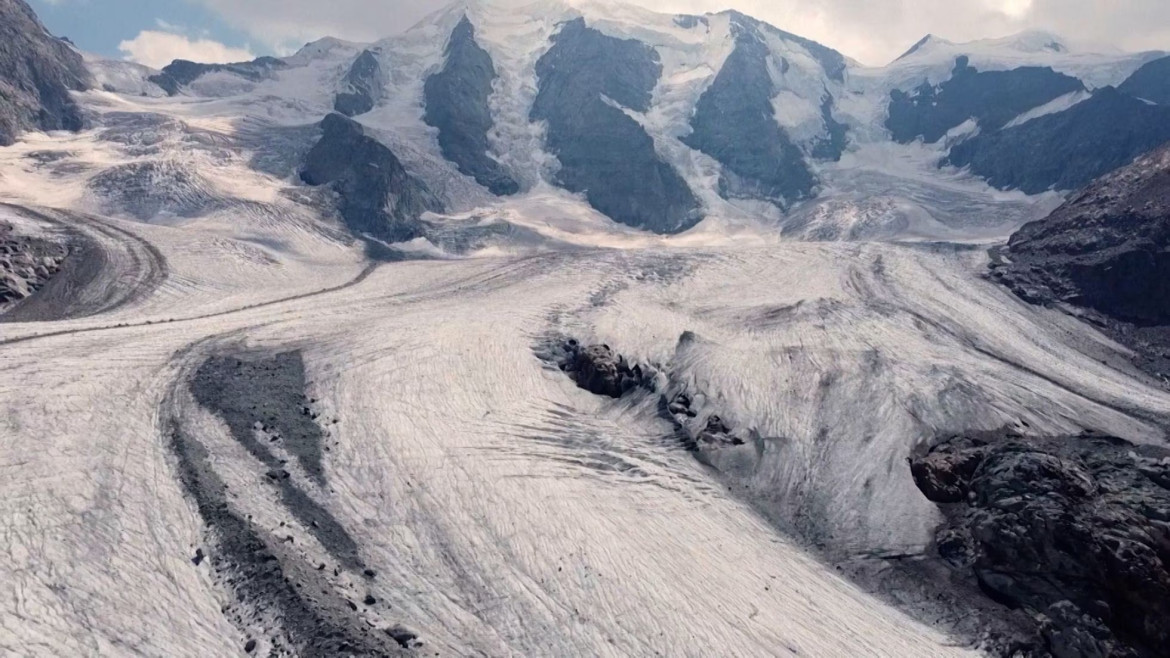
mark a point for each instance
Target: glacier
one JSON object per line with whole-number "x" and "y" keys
{"x": 490, "y": 506}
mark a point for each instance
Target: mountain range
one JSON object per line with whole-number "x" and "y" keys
{"x": 659, "y": 122}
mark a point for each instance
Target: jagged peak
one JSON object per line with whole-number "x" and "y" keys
{"x": 922, "y": 44}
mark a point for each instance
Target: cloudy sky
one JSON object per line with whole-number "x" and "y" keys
{"x": 873, "y": 31}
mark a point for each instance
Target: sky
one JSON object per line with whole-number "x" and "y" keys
{"x": 874, "y": 32}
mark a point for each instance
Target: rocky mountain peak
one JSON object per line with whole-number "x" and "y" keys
{"x": 37, "y": 72}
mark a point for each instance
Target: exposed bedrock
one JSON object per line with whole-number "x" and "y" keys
{"x": 993, "y": 98}
{"x": 1066, "y": 150}
{"x": 602, "y": 371}
{"x": 37, "y": 72}
{"x": 377, "y": 196}
{"x": 587, "y": 81}
{"x": 361, "y": 87}
{"x": 1075, "y": 531}
{"x": 736, "y": 455}
{"x": 1150, "y": 83}
{"x": 456, "y": 101}
{"x": 180, "y": 73}
{"x": 735, "y": 123}
{"x": 831, "y": 62}
{"x": 1107, "y": 251}
{"x": 26, "y": 264}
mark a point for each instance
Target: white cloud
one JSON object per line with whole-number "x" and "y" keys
{"x": 157, "y": 49}
{"x": 873, "y": 31}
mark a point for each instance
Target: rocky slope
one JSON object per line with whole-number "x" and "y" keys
{"x": 992, "y": 98}
{"x": 456, "y": 100}
{"x": 1067, "y": 150}
{"x": 377, "y": 196}
{"x": 1151, "y": 82}
{"x": 37, "y": 72}
{"x": 1027, "y": 112}
{"x": 26, "y": 264}
{"x": 362, "y": 86}
{"x": 1074, "y": 531}
{"x": 735, "y": 123}
{"x": 588, "y": 80}
{"x": 1105, "y": 250}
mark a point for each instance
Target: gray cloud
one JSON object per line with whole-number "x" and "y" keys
{"x": 872, "y": 31}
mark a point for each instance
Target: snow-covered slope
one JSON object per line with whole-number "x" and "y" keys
{"x": 933, "y": 58}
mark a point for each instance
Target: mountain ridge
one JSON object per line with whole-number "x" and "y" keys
{"x": 811, "y": 110}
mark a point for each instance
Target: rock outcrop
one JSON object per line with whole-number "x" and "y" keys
{"x": 1106, "y": 249}
{"x": 1074, "y": 531}
{"x": 992, "y": 98}
{"x": 1150, "y": 83}
{"x": 600, "y": 370}
{"x": 587, "y": 82}
{"x": 26, "y": 264}
{"x": 180, "y": 73}
{"x": 378, "y": 197}
{"x": 735, "y": 123}
{"x": 1066, "y": 150}
{"x": 362, "y": 86}
{"x": 37, "y": 72}
{"x": 456, "y": 101}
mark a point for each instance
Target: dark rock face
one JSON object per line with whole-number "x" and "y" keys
{"x": 26, "y": 264}
{"x": 603, "y": 153}
{"x": 1151, "y": 82}
{"x": 831, "y": 61}
{"x": 37, "y": 72}
{"x": 993, "y": 98}
{"x": 1067, "y": 149}
{"x": 1107, "y": 249}
{"x": 832, "y": 147}
{"x": 599, "y": 370}
{"x": 457, "y": 105}
{"x": 735, "y": 124}
{"x": 363, "y": 86}
{"x": 1074, "y": 530}
{"x": 378, "y": 197}
{"x": 181, "y": 72}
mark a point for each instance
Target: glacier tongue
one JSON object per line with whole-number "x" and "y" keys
{"x": 484, "y": 504}
{"x": 502, "y": 509}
